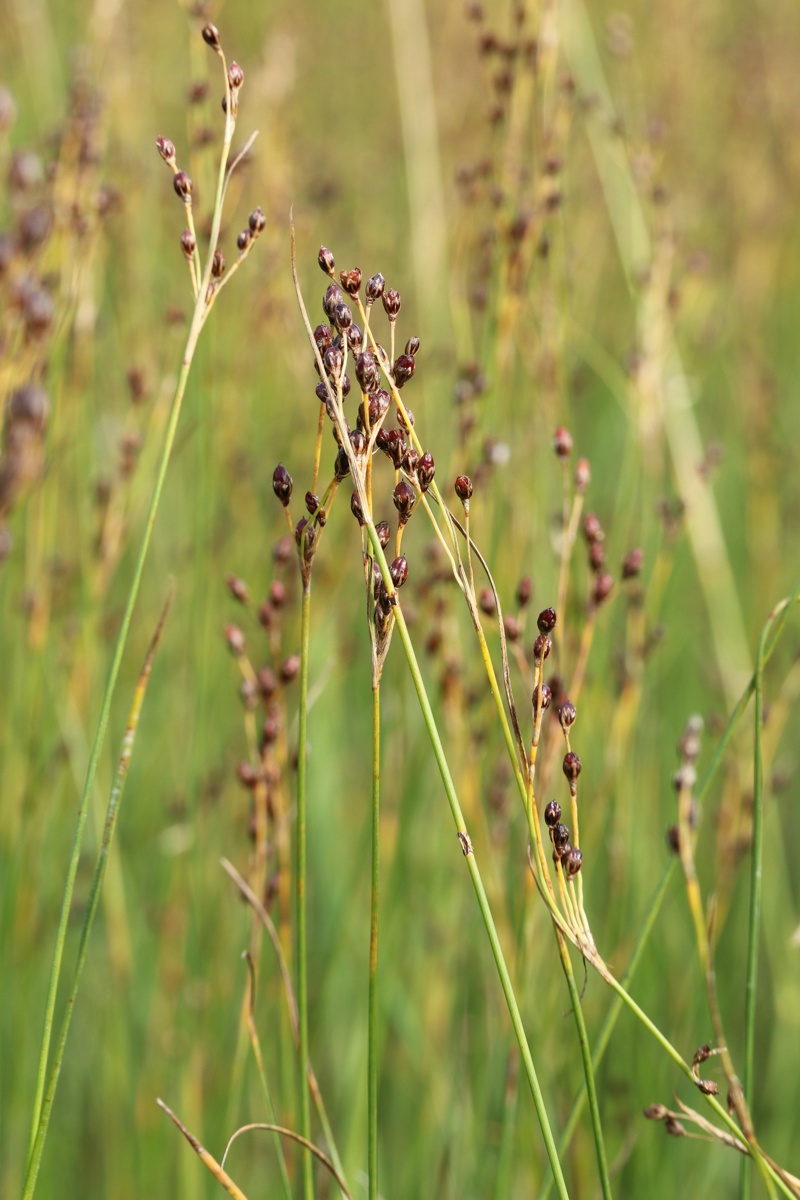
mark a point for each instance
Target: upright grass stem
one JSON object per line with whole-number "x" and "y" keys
{"x": 372, "y": 1085}
{"x": 300, "y": 882}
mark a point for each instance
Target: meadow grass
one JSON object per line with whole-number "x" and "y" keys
{"x": 597, "y": 234}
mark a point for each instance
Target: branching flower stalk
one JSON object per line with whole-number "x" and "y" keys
{"x": 205, "y": 287}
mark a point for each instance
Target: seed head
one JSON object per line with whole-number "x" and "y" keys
{"x": 547, "y": 697}
{"x": 552, "y": 814}
{"x": 166, "y": 149}
{"x": 351, "y": 281}
{"x": 404, "y": 498}
{"x": 571, "y": 767}
{"x": 217, "y": 265}
{"x": 541, "y": 649}
{"x": 524, "y": 590}
{"x": 403, "y": 369}
{"x": 592, "y": 529}
{"x": 391, "y": 303}
{"x": 567, "y": 714}
{"x": 560, "y": 836}
{"x": 211, "y": 37}
{"x": 341, "y": 466}
{"x": 378, "y": 405}
{"x": 367, "y": 372}
{"x": 562, "y": 443}
{"x": 312, "y": 503}
{"x": 463, "y": 486}
{"x": 399, "y": 571}
{"x": 333, "y": 361}
{"x": 326, "y": 261}
{"x": 546, "y": 621}
{"x": 426, "y": 469}
{"x": 355, "y": 337}
{"x": 243, "y": 240}
{"x": 332, "y": 297}
{"x": 583, "y": 475}
{"x": 486, "y": 601}
{"x": 632, "y": 563}
{"x": 572, "y": 861}
{"x": 235, "y": 639}
{"x": 375, "y": 288}
{"x": 602, "y": 589}
{"x": 277, "y": 593}
{"x": 235, "y": 77}
{"x": 290, "y": 668}
{"x": 322, "y": 338}
{"x": 183, "y": 186}
{"x": 237, "y": 588}
{"x": 282, "y": 484}
{"x": 384, "y": 533}
{"x": 412, "y": 345}
{"x": 597, "y": 556}
{"x": 356, "y": 509}
{"x": 257, "y": 221}
{"x": 342, "y": 316}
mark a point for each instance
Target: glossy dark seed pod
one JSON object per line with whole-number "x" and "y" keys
{"x": 571, "y": 767}
{"x": 282, "y": 484}
{"x": 560, "y": 835}
{"x": 333, "y": 361}
{"x": 547, "y": 696}
{"x": 358, "y": 442}
{"x": 572, "y": 861}
{"x": 562, "y": 443}
{"x": 426, "y": 469}
{"x": 396, "y": 447}
{"x": 188, "y": 243}
{"x": 211, "y": 36}
{"x": 403, "y": 370}
{"x": 355, "y": 338}
{"x": 257, "y": 221}
{"x": 356, "y": 509}
{"x": 399, "y": 571}
{"x": 546, "y": 621}
{"x": 351, "y": 281}
{"x": 332, "y": 297}
{"x": 404, "y": 498}
{"x": 326, "y": 261}
{"x": 342, "y": 316}
{"x": 312, "y": 503}
{"x": 412, "y": 345}
{"x": 552, "y": 813}
{"x": 367, "y": 372}
{"x": 379, "y": 401}
{"x": 183, "y": 186}
{"x": 235, "y": 77}
{"x": 375, "y": 287}
{"x": 166, "y": 149}
{"x": 218, "y": 265}
{"x": 384, "y": 533}
{"x": 391, "y": 303}
{"x": 322, "y": 337}
{"x": 341, "y": 467}
{"x": 463, "y": 487}
{"x": 243, "y": 240}
{"x": 567, "y": 714}
{"x": 541, "y": 649}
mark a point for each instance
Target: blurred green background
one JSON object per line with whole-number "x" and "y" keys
{"x": 572, "y": 245}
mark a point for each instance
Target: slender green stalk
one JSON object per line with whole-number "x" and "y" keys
{"x": 198, "y": 318}
{"x": 372, "y": 1086}
{"x": 300, "y": 884}
{"x": 112, "y": 815}
{"x": 588, "y": 1066}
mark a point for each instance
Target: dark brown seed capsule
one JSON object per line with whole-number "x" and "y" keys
{"x": 235, "y": 77}
{"x": 378, "y": 406}
{"x": 356, "y": 509}
{"x": 312, "y": 503}
{"x": 326, "y": 261}
{"x": 367, "y": 372}
{"x": 332, "y": 297}
{"x": 412, "y": 345}
{"x": 166, "y": 149}
{"x": 342, "y": 316}
{"x": 351, "y": 281}
{"x": 403, "y": 369}
{"x": 341, "y": 467}
{"x": 211, "y": 36}
{"x": 552, "y": 813}
{"x": 375, "y": 287}
{"x": 188, "y": 243}
{"x": 235, "y": 639}
{"x": 391, "y": 303}
{"x": 632, "y": 563}
{"x": 396, "y": 447}
{"x": 524, "y": 590}
{"x": 546, "y": 621}
{"x": 243, "y": 240}
{"x": 257, "y": 221}
{"x": 333, "y": 361}
{"x": 592, "y": 529}
{"x": 237, "y": 588}
{"x": 355, "y": 338}
{"x": 358, "y": 442}
{"x": 183, "y": 186}
{"x": 583, "y": 475}
{"x": 541, "y": 649}
{"x": 708, "y": 1087}
{"x": 305, "y": 535}
{"x": 321, "y": 392}
{"x": 602, "y": 588}
{"x": 399, "y": 571}
{"x": 571, "y": 767}
{"x": 486, "y": 601}
{"x": 384, "y": 533}
{"x": 572, "y": 861}
{"x": 404, "y": 498}
{"x": 218, "y": 265}
{"x": 547, "y": 696}
{"x": 567, "y": 714}
{"x": 426, "y": 469}
{"x": 560, "y": 836}
{"x": 282, "y": 484}
{"x": 562, "y": 443}
{"x": 674, "y": 839}
{"x": 656, "y": 1112}
{"x": 463, "y": 486}
{"x": 405, "y": 420}
{"x": 322, "y": 337}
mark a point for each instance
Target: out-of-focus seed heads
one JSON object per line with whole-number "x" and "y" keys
{"x": 541, "y": 649}
{"x": 166, "y": 149}
{"x": 524, "y": 590}
{"x": 282, "y": 484}
{"x": 235, "y": 77}
{"x": 183, "y": 186}
{"x": 562, "y": 443}
{"x": 463, "y": 486}
{"x": 188, "y": 243}
{"x": 632, "y": 563}
{"x": 571, "y": 767}
{"x": 546, "y": 621}
{"x": 277, "y": 593}
{"x": 399, "y": 571}
{"x": 237, "y": 588}
{"x": 592, "y": 529}
{"x": 243, "y": 240}
{"x": 290, "y": 668}
{"x": 257, "y": 221}
{"x": 217, "y": 265}
{"x": 404, "y": 498}
{"x": 583, "y": 475}
{"x": 235, "y": 639}
{"x": 391, "y": 303}
{"x": 597, "y": 556}
{"x": 375, "y": 288}
{"x": 384, "y": 533}
{"x": 604, "y": 585}
{"x": 486, "y": 601}
{"x": 326, "y": 261}
{"x": 211, "y": 37}
{"x": 351, "y": 281}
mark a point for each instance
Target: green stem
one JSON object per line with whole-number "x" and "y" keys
{"x": 300, "y": 883}
{"x": 112, "y": 815}
{"x": 588, "y": 1066}
{"x": 372, "y": 1084}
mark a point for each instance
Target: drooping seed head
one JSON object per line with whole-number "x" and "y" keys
{"x": 552, "y": 814}
{"x": 326, "y": 261}
{"x": 571, "y": 767}
{"x": 404, "y": 498}
{"x": 562, "y": 443}
{"x": 463, "y": 487}
{"x": 546, "y": 621}
{"x": 282, "y": 484}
